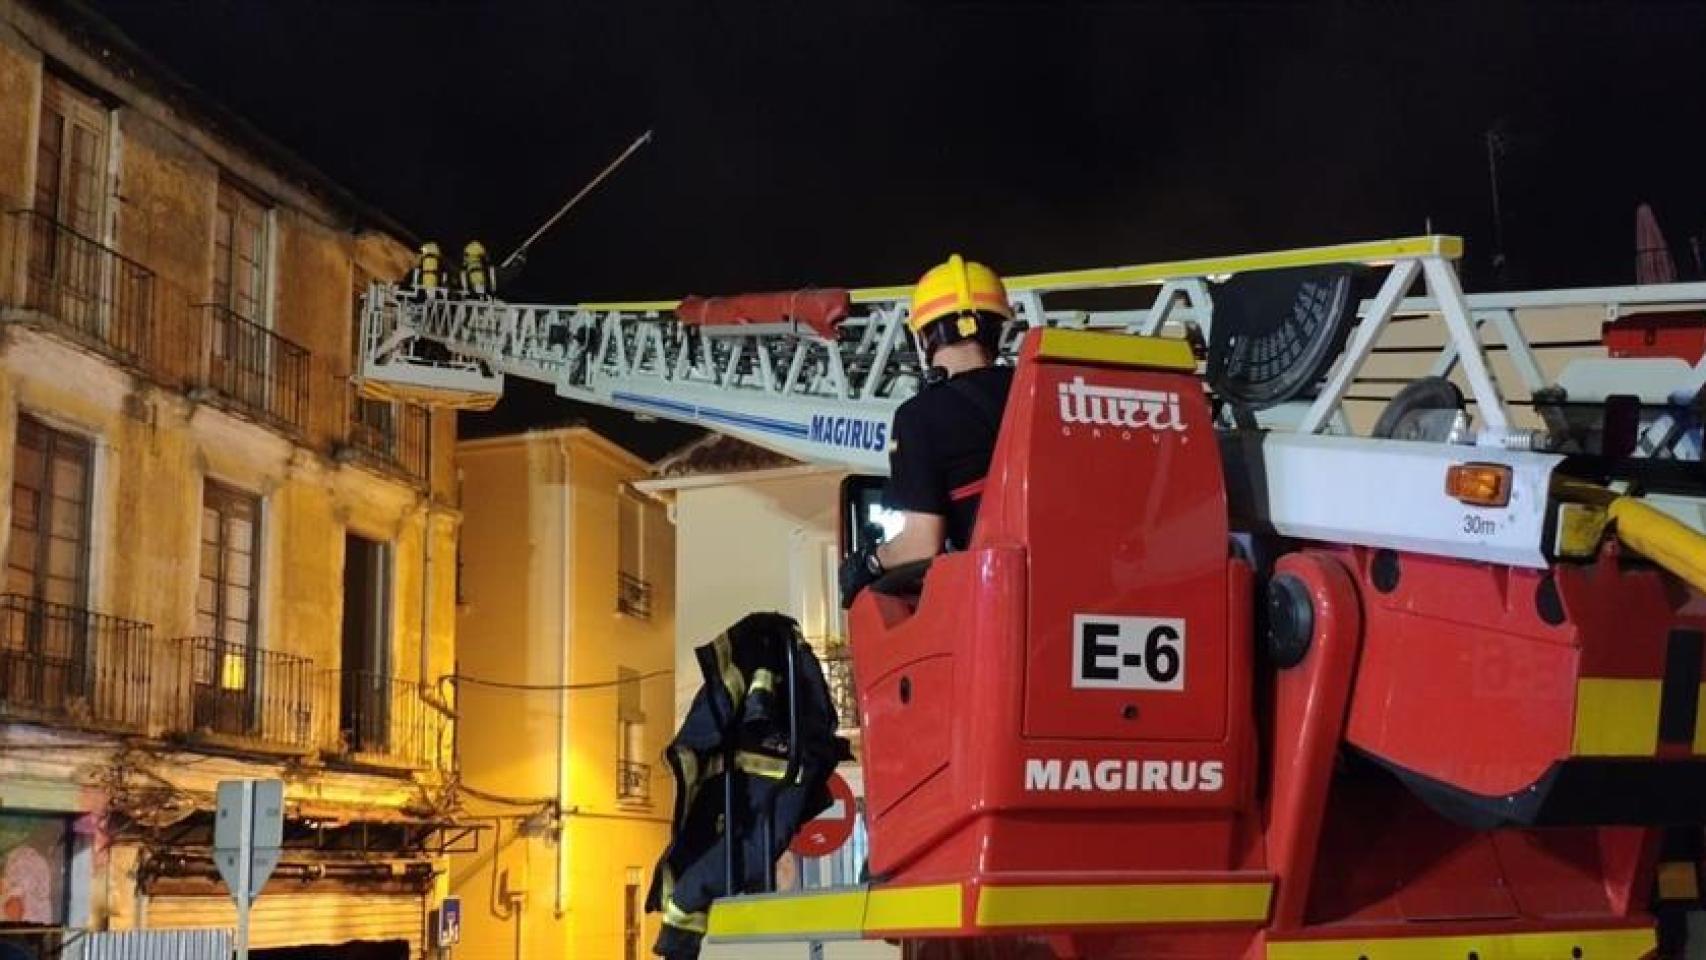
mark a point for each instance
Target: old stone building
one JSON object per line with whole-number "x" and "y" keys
{"x": 220, "y": 562}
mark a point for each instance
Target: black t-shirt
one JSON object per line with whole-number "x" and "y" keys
{"x": 943, "y": 439}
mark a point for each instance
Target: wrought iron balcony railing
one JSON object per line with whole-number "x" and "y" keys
{"x": 252, "y": 698}
{"x": 385, "y": 720}
{"x": 633, "y": 782}
{"x": 388, "y": 435}
{"x": 63, "y": 665}
{"x": 75, "y": 286}
{"x": 633, "y": 596}
{"x": 243, "y": 364}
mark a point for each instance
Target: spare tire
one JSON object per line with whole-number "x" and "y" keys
{"x": 1404, "y": 417}
{"x": 1276, "y": 333}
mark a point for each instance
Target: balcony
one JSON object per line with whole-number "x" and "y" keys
{"x": 77, "y": 288}
{"x": 247, "y": 367}
{"x": 838, "y": 673}
{"x": 384, "y": 721}
{"x": 392, "y": 437}
{"x": 233, "y": 695}
{"x": 633, "y": 596}
{"x": 67, "y": 666}
{"x": 633, "y": 782}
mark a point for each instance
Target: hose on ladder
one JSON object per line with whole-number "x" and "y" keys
{"x": 1647, "y": 530}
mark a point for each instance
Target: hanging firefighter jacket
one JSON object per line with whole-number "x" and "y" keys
{"x": 740, "y": 719}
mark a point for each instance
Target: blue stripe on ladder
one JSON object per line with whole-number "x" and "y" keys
{"x": 786, "y": 428}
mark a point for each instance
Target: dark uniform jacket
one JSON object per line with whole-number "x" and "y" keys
{"x": 740, "y": 715}
{"x": 943, "y": 439}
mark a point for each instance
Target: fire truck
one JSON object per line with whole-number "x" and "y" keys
{"x": 1316, "y": 609}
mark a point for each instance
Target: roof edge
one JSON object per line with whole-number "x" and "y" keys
{"x": 106, "y": 43}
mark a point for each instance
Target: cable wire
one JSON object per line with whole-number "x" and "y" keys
{"x": 462, "y": 787}
{"x": 597, "y": 685}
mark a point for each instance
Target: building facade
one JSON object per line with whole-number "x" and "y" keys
{"x": 755, "y": 531}
{"x": 220, "y": 562}
{"x": 564, "y": 650}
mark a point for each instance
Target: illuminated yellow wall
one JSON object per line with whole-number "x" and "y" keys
{"x": 539, "y": 607}
{"x": 156, "y": 444}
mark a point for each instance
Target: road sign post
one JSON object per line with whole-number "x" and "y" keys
{"x": 447, "y": 931}
{"x": 827, "y": 834}
{"x": 248, "y": 831}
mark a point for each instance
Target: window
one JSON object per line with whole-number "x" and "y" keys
{"x": 365, "y": 709}
{"x": 373, "y": 423}
{"x": 223, "y": 653}
{"x": 633, "y": 773}
{"x": 633, "y": 590}
{"x": 65, "y": 260}
{"x": 71, "y": 159}
{"x": 52, "y": 475}
{"x": 226, "y": 598}
{"x": 371, "y": 420}
{"x": 240, "y": 253}
{"x": 45, "y": 630}
{"x": 243, "y": 361}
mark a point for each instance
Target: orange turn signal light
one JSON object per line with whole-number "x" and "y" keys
{"x": 1479, "y": 484}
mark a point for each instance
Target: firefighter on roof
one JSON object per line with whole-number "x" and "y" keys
{"x": 943, "y": 436}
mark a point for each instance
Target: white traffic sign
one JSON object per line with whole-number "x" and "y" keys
{"x": 248, "y": 830}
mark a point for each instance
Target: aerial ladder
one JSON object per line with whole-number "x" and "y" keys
{"x": 1231, "y": 668}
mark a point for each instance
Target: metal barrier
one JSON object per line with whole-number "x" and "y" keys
{"x": 81, "y": 288}
{"x": 633, "y": 781}
{"x": 210, "y": 944}
{"x": 252, "y": 368}
{"x": 390, "y": 435}
{"x": 767, "y": 823}
{"x": 232, "y": 690}
{"x": 383, "y": 719}
{"x": 70, "y": 666}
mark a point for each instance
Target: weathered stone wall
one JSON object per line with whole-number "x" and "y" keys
{"x": 157, "y": 445}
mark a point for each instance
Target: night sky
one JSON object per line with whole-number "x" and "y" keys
{"x": 860, "y": 142}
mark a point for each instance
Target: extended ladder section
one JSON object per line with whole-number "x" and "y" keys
{"x": 820, "y": 381}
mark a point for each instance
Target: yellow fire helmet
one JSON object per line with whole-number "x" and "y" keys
{"x": 959, "y": 289}
{"x": 474, "y": 249}
{"x": 429, "y": 249}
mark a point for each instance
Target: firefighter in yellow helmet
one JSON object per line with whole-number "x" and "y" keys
{"x": 944, "y": 435}
{"x": 428, "y": 273}
{"x": 478, "y": 277}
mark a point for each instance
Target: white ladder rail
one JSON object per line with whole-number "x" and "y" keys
{"x": 638, "y": 356}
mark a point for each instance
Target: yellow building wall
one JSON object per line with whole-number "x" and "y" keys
{"x": 539, "y": 560}
{"x": 161, "y": 201}
{"x": 20, "y": 77}
{"x": 155, "y": 446}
